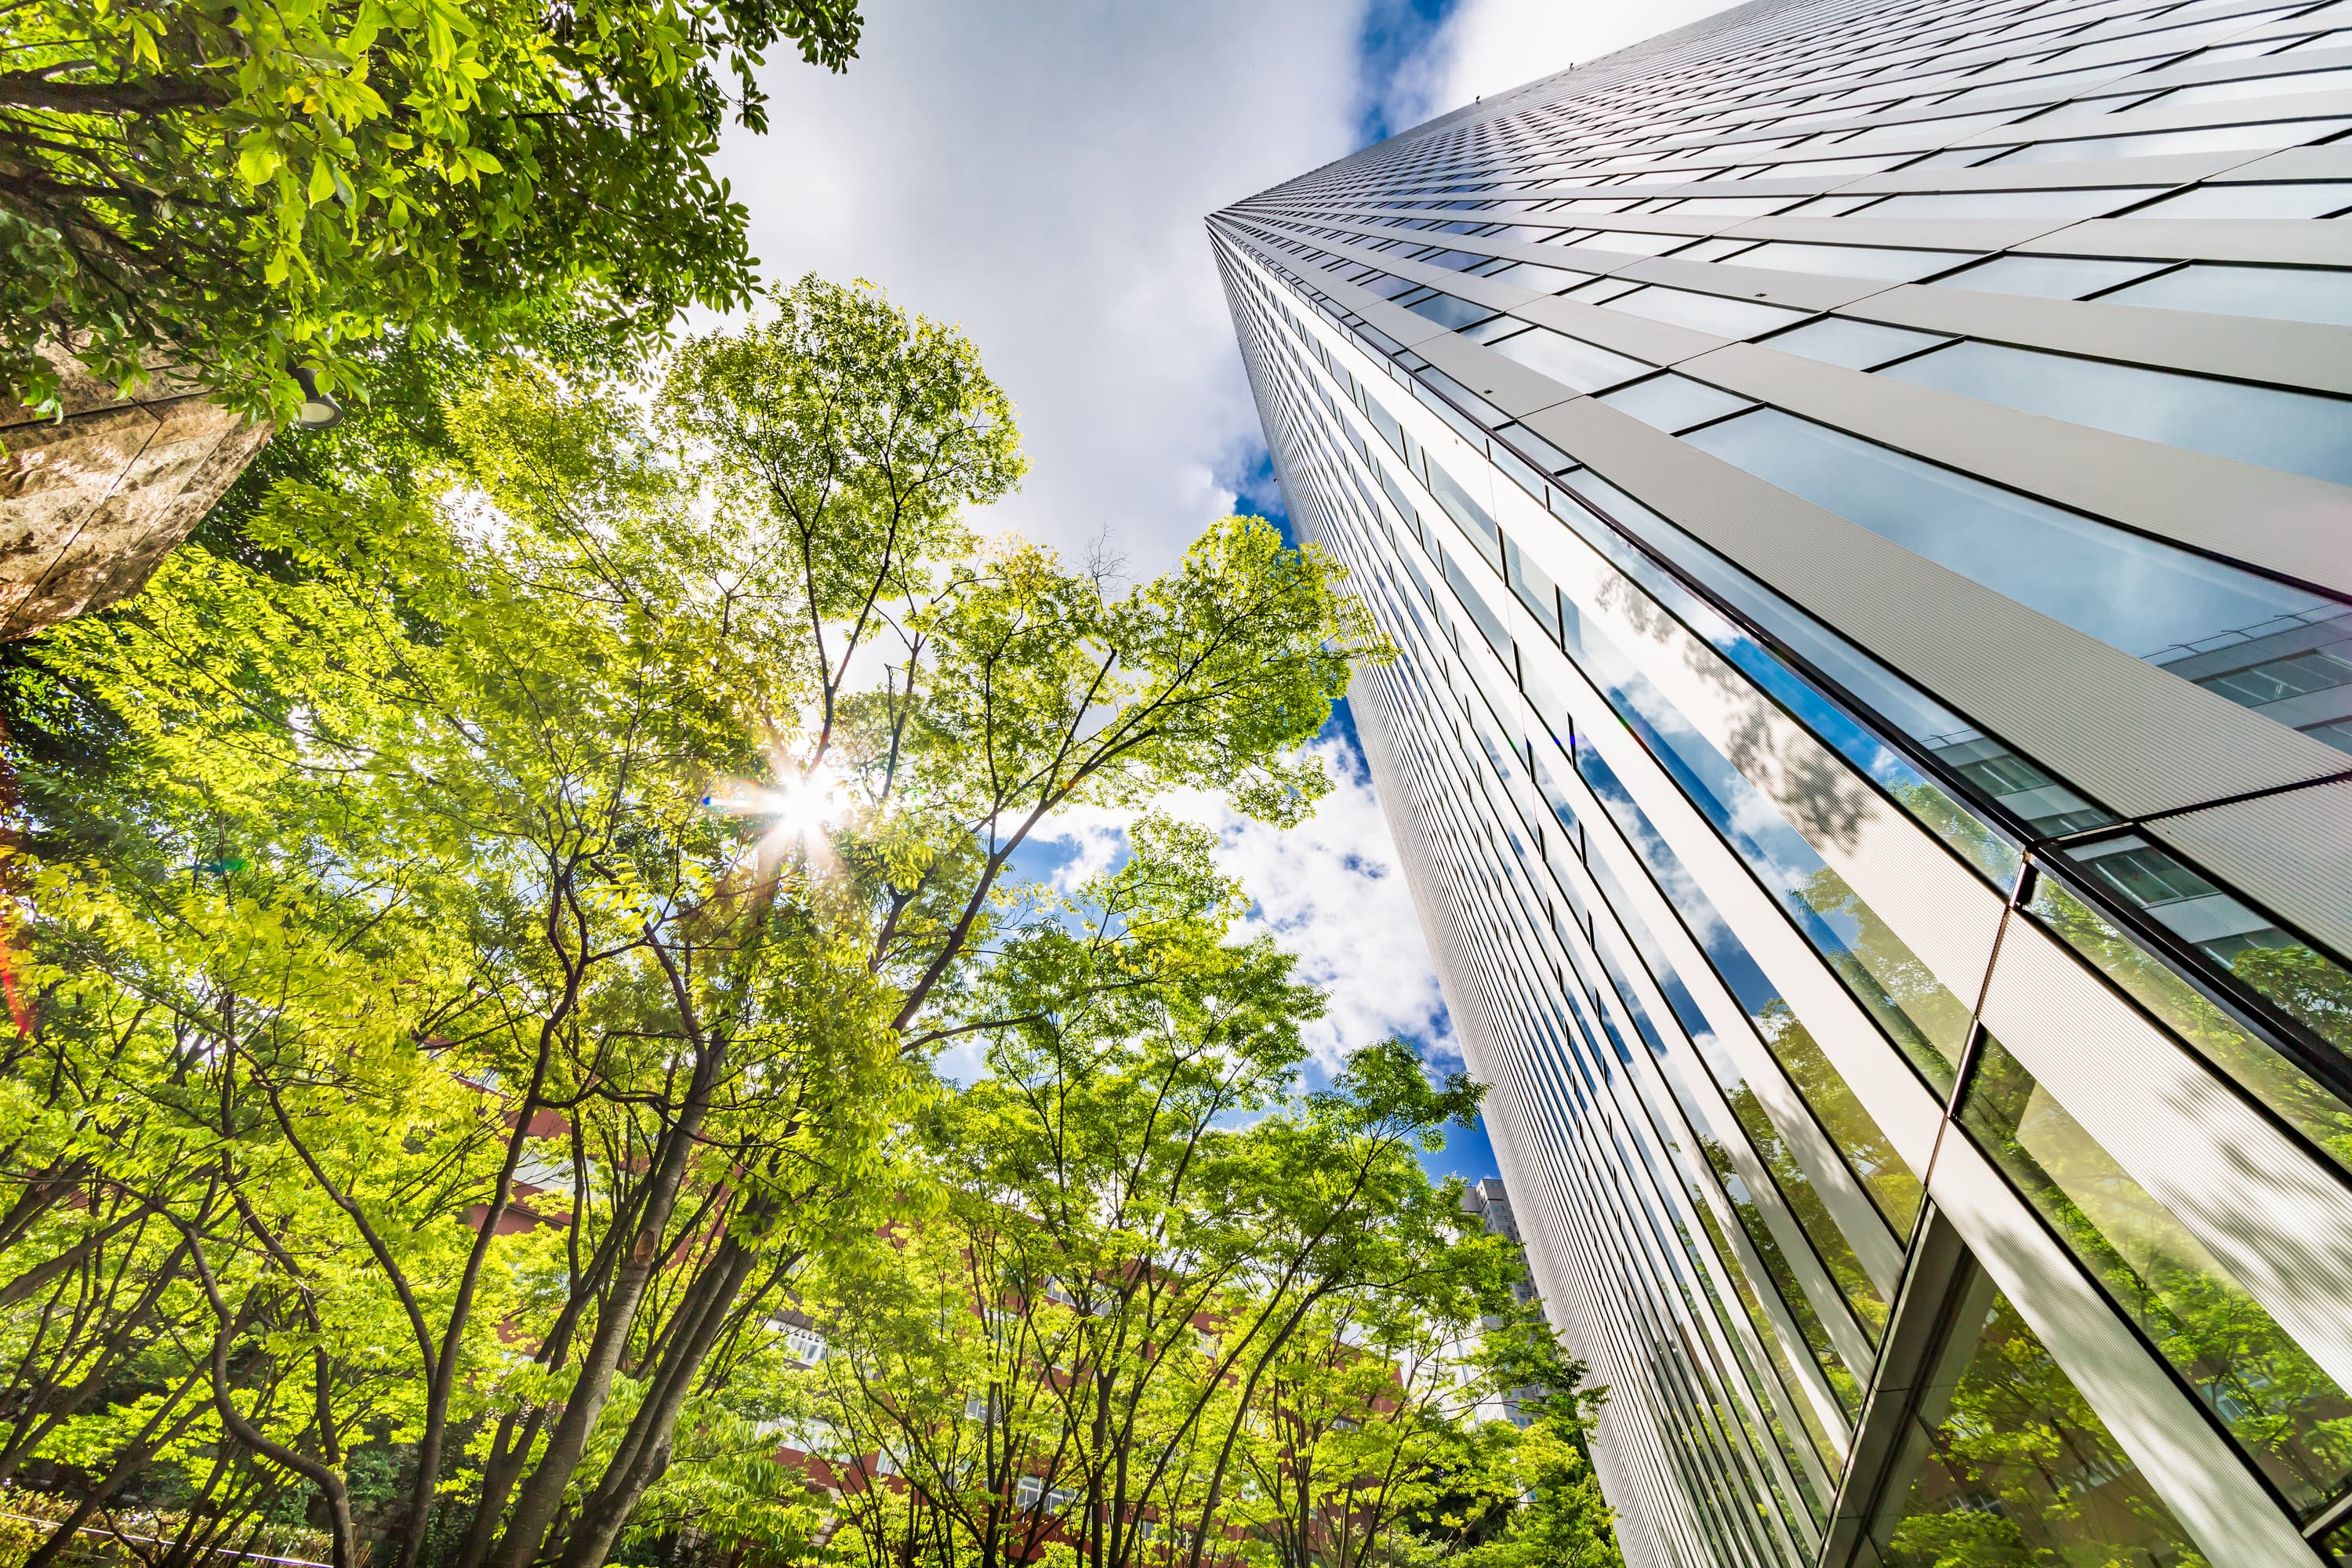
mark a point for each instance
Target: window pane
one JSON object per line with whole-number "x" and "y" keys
{"x": 1845, "y": 1383}
{"x": 2133, "y": 593}
{"x": 1850, "y": 260}
{"x": 2336, "y": 732}
{"x": 2296, "y": 431}
{"x": 2251, "y": 201}
{"x": 1534, "y": 589}
{"x": 1926, "y": 1021}
{"x": 1675, "y": 403}
{"x": 1572, "y": 364}
{"x": 2273, "y": 1398}
{"x": 2278, "y": 294}
{"x": 1876, "y": 1167}
{"x": 1857, "y": 345}
{"x": 1448, "y": 311}
{"x": 2306, "y": 984}
{"x": 2057, "y": 205}
{"x": 1468, "y": 515}
{"x": 1797, "y": 1190}
{"x": 2004, "y": 1462}
{"x": 2050, "y": 277}
{"x": 2320, "y": 670}
{"x": 1968, "y": 835}
{"x": 1704, "y": 313}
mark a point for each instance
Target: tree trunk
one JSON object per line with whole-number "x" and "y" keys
{"x": 644, "y": 1451}
{"x": 542, "y": 1495}
{"x": 508, "y": 1456}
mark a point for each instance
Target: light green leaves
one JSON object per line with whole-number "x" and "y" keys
{"x": 615, "y": 788}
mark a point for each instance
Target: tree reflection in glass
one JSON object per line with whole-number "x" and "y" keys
{"x": 2005, "y": 1463}
{"x": 2308, "y": 985}
{"x": 2285, "y": 1411}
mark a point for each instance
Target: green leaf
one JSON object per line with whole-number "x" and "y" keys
{"x": 256, "y": 161}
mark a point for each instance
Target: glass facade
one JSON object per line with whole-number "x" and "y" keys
{"x": 1858, "y": 495}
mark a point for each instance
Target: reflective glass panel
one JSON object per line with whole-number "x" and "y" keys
{"x": 1448, "y": 311}
{"x": 2131, "y": 593}
{"x": 2279, "y": 293}
{"x": 1675, "y": 403}
{"x": 1750, "y": 822}
{"x": 1788, "y": 1174}
{"x": 1569, "y": 360}
{"x": 2266, "y": 425}
{"x": 1881, "y": 973}
{"x": 2304, "y": 982}
{"x": 2285, "y": 1412}
{"x": 1966, "y": 834}
{"x": 2048, "y": 277}
{"x": 1857, "y": 345}
{"x": 2003, "y": 1463}
{"x": 1845, "y": 1383}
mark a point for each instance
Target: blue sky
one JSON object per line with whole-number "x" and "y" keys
{"x": 1036, "y": 172}
{"x": 1467, "y": 1154}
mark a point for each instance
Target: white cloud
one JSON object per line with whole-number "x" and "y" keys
{"x": 1038, "y": 172}
{"x": 1491, "y": 45}
{"x": 1330, "y": 890}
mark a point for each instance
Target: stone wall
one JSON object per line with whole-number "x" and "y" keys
{"x": 90, "y": 505}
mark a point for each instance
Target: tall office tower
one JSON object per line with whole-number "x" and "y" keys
{"x": 1861, "y": 493}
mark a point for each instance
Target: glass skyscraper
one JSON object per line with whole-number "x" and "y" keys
{"x": 1861, "y": 495}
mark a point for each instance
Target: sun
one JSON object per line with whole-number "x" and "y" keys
{"x": 798, "y": 811}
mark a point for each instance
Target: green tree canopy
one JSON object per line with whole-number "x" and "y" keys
{"x": 485, "y": 927}
{"x": 238, "y": 188}
{"x": 1146, "y": 1300}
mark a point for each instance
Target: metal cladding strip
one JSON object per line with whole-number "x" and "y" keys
{"x": 2278, "y": 1222}
{"x": 2204, "y": 1484}
{"x": 2276, "y": 521}
{"x": 2293, "y": 852}
{"x": 1671, "y": 1202}
{"x": 2292, "y": 242}
{"x": 2310, "y": 354}
{"x": 2108, "y": 722}
{"x": 1562, "y": 1285}
{"x": 1637, "y": 770}
{"x": 2284, "y": 110}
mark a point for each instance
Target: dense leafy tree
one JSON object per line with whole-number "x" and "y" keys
{"x": 512, "y": 904}
{"x": 242, "y": 188}
{"x": 1163, "y": 1308}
